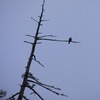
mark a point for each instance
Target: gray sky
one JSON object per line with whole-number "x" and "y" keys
{"x": 75, "y": 68}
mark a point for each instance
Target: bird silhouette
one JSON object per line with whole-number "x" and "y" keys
{"x": 70, "y": 40}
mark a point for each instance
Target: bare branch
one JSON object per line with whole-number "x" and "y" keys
{"x": 41, "y": 38}
{"x": 34, "y": 19}
{"x": 53, "y": 40}
{"x": 30, "y": 36}
{"x": 35, "y": 92}
{"x": 47, "y": 36}
{"x": 38, "y": 61}
{"x": 28, "y": 42}
{"x": 56, "y": 40}
{"x": 48, "y": 87}
{"x": 10, "y": 98}
{"x": 39, "y": 83}
{"x": 75, "y": 42}
{"x": 33, "y": 78}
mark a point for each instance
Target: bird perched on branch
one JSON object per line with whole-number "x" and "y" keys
{"x": 70, "y": 40}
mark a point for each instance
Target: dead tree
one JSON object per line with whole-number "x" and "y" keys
{"x": 29, "y": 80}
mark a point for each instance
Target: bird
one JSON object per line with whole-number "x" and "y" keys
{"x": 69, "y": 40}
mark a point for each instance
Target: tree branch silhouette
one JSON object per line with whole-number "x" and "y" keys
{"x": 24, "y": 84}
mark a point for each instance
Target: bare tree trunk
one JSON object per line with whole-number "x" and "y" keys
{"x": 24, "y": 84}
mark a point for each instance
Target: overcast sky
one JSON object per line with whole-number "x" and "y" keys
{"x": 75, "y": 68}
